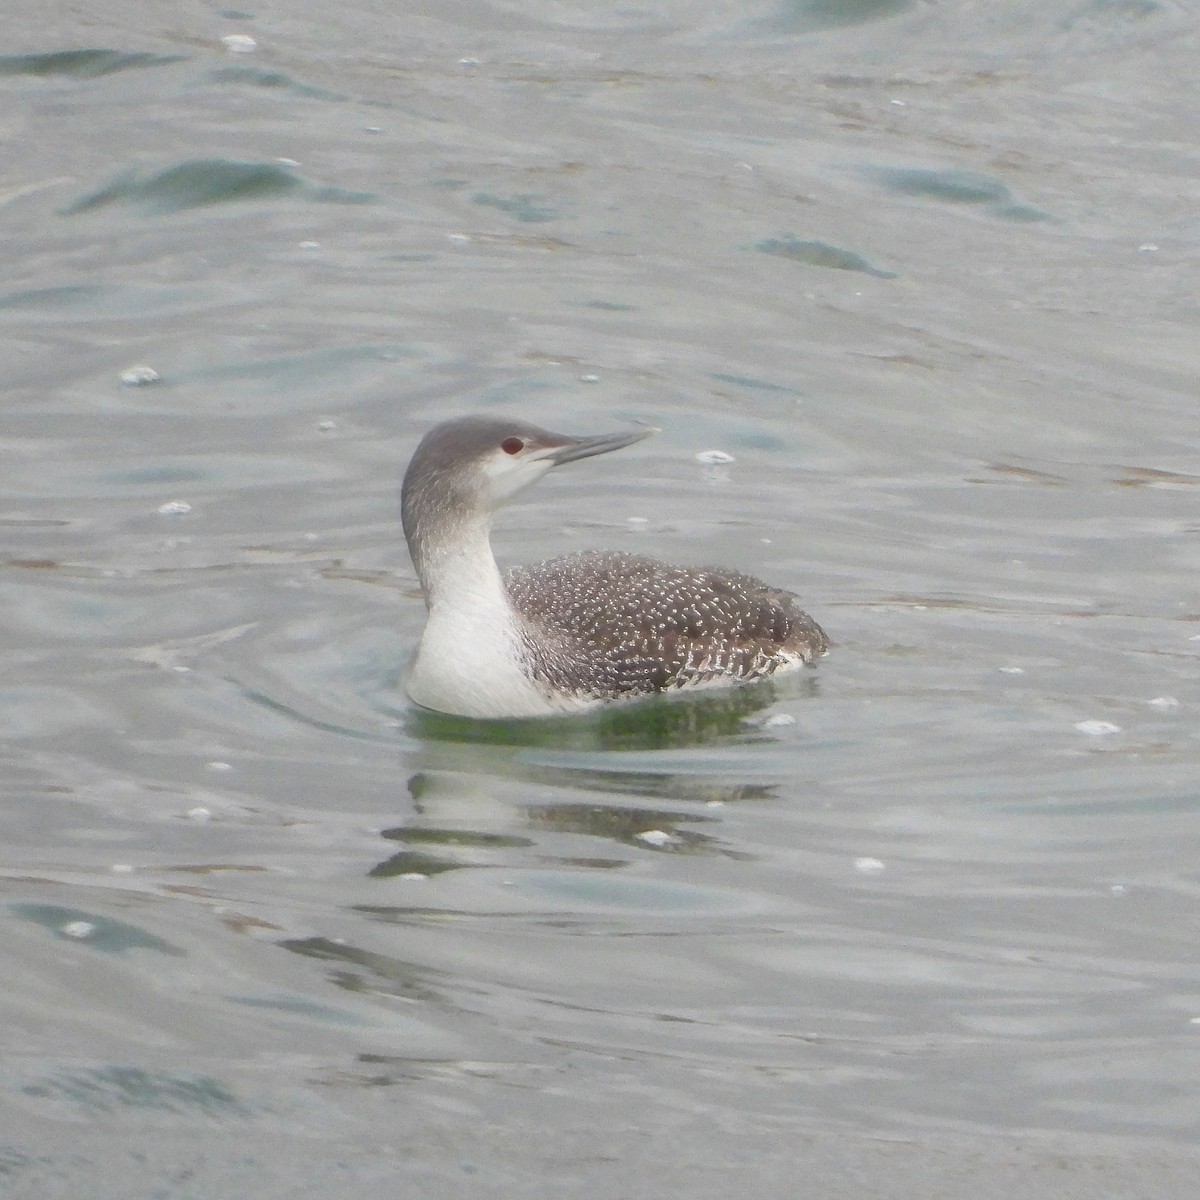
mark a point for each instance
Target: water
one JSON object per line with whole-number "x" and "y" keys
{"x": 923, "y": 915}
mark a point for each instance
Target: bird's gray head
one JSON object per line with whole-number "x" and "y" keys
{"x": 464, "y": 469}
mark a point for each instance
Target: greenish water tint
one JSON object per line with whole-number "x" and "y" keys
{"x": 654, "y": 724}
{"x": 84, "y": 302}
{"x": 812, "y": 16}
{"x": 414, "y": 862}
{"x": 302, "y": 371}
{"x": 820, "y": 254}
{"x": 526, "y": 207}
{"x": 56, "y": 298}
{"x": 456, "y": 837}
{"x": 113, "y": 1088}
{"x": 360, "y": 970}
{"x": 659, "y": 830}
{"x": 301, "y": 1006}
{"x": 95, "y": 932}
{"x": 274, "y": 80}
{"x": 752, "y": 384}
{"x": 12, "y": 1161}
{"x": 156, "y": 474}
{"x": 601, "y": 892}
{"x": 954, "y": 186}
{"x": 82, "y": 64}
{"x": 203, "y": 183}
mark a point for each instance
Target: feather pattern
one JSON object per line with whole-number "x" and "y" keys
{"x": 604, "y": 625}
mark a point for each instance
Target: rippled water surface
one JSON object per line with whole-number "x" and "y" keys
{"x": 919, "y": 922}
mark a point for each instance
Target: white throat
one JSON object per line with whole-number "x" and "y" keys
{"x": 470, "y": 659}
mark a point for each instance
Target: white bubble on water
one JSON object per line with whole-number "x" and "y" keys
{"x": 655, "y": 837}
{"x": 1097, "y": 728}
{"x": 139, "y": 376}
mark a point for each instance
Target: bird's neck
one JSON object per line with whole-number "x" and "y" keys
{"x": 459, "y": 574}
{"x": 470, "y": 657}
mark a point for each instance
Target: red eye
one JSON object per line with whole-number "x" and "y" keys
{"x": 512, "y": 445}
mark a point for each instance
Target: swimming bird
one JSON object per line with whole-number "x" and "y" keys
{"x": 578, "y": 631}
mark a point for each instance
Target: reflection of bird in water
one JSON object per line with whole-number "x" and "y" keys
{"x": 575, "y": 632}
{"x": 694, "y": 718}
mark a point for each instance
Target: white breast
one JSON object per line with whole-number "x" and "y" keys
{"x": 470, "y": 663}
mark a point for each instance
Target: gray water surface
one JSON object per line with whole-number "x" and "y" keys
{"x": 918, "y": 922}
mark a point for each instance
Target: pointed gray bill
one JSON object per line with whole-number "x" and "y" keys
{"x": 602, "y": 443}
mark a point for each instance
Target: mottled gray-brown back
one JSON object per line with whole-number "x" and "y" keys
{"x": 617, "y": 625}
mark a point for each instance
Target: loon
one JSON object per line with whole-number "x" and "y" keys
{"x": 575, "y": 632}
